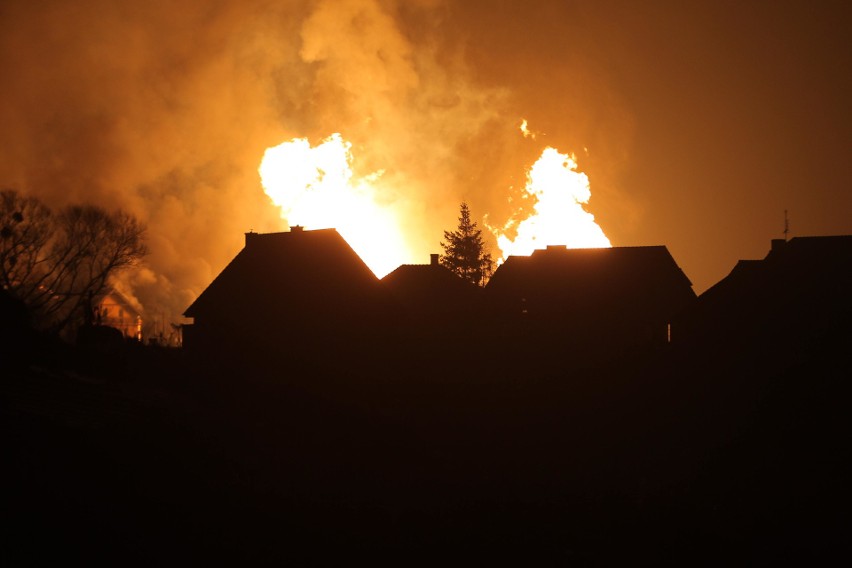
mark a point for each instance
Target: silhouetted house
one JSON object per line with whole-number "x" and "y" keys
{"x": 429, "y": 298}
{"x": 590, "y": 297}
{"x": 798, "y": 292}
{"x": 294, "y": 294}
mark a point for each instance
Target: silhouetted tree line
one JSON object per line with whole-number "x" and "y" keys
{"x": 56, "y": 262}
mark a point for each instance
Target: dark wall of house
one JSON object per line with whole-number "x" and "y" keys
{"x": 601, "y": 298}
{"x": 431, "y": 304}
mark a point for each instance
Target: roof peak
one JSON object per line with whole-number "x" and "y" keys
{"x": 562, "y": 249}
{"x": 295, "y": 231}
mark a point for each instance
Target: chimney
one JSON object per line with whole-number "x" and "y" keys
{"x": 296, "y": 229}
{"x": 434, "y": 259}
{"x": 251, "y": 236}
{"x": 557, "y": 247}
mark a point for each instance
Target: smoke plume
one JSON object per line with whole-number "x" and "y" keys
{"x": 165, "y": 109}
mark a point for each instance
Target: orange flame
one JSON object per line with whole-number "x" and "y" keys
{"x": 526, "y": 131}
{"x": 558, "y": 218}
{"x": 315, "y": 188}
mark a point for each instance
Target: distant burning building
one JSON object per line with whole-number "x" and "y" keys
{"x": 114, "y": 310}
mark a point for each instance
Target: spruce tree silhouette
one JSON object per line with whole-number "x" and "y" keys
{"x": 465, "y": 253}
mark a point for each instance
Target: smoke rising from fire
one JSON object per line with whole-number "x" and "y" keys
{"x": 166, "y": 109}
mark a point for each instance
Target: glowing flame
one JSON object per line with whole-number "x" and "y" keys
{"x": 315, "y": 188}
{"x": 558, "y": 218}
{"x": 526, "y": 131}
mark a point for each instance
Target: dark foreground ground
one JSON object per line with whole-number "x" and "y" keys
{"x": 697, "y": 456}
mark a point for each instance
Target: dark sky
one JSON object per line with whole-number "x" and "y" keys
{"x": 698, "y": 123}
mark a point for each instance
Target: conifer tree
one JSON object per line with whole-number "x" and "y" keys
{"x": 465, "y": 252}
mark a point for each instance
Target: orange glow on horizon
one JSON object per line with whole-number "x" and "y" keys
{"x": 315, "y": 188}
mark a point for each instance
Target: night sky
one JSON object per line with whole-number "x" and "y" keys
{"x": 698, "y": 123}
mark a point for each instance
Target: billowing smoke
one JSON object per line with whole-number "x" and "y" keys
{"x": 165, "y": 110}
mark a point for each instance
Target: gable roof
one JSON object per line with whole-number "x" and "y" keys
{"x": 431, "y": 292}
{"x": 798, "y": 294}
{"x": 801, "y": 283}
{"x": 795, "y": 265}
{"x": 578, "y": 268}
{"x": 422, "y": 280}
{"x": 560, "y": 280}
{"x": 131, "y": 307}
{"x": 291, "y": 270}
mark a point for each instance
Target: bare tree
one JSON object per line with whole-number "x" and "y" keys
{"x": 26, "y": 228}
{"x": 56, "y": 264}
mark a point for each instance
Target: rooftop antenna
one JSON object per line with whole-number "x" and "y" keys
{"x": 786, "y": 226}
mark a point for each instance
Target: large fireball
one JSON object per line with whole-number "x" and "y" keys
{"x": 315, "y": 188}
{"x": 558, "y": 192}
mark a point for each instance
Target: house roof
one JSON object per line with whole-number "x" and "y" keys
{"x": 131, "y": 307}
{"x": 604, "y": 278}
{"x": 799, "y": 291}
{"x": 800, "y": 267}
{"x": 575, "y": 268}
{"x": 425, "y": 280}
{"x": 293, "y": 270}
{"x": 431, "y": 291}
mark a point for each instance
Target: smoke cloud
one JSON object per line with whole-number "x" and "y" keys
{"x": 165, "y": 109}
